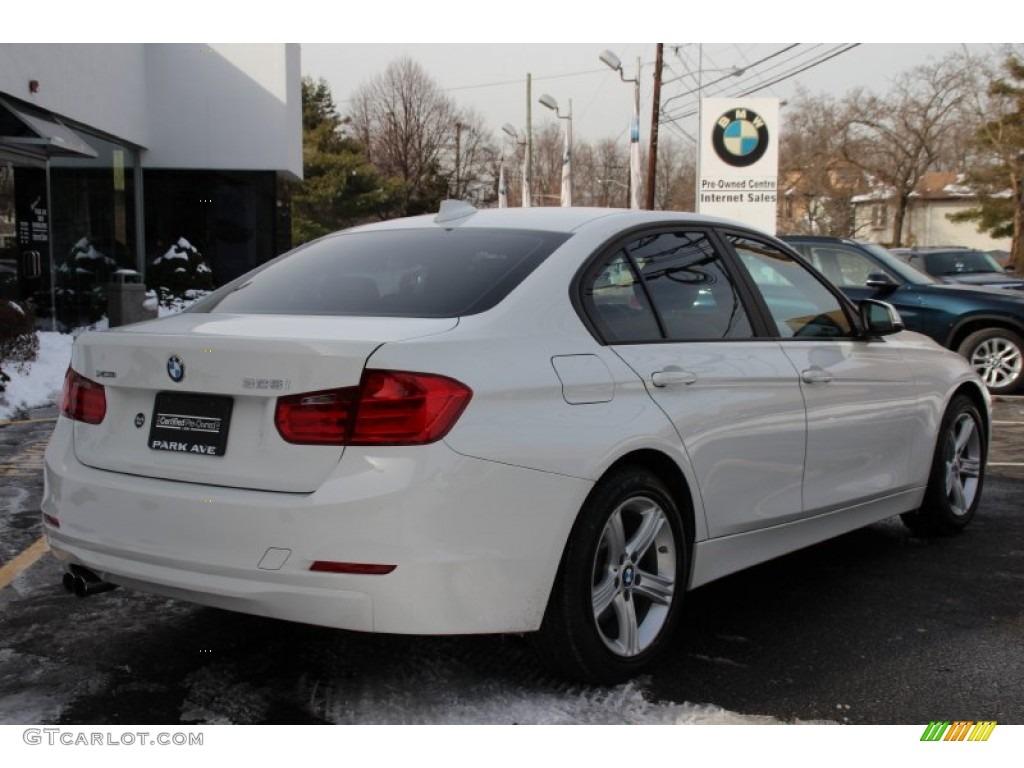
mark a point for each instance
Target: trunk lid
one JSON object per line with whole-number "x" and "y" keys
{"x": 215, "y": 424}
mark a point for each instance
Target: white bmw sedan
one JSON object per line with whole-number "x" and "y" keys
{"x": 552, "y": 421}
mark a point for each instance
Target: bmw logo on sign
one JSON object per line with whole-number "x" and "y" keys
{"x": 175, "y": 369}
{"x": 740, "y": 137}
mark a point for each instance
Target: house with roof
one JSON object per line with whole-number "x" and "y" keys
{"x": 927, "y": 223}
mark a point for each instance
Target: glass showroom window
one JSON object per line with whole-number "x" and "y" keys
{"x": 93, "y": 228}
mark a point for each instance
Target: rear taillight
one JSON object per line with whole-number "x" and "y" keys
{"x": 83, "y": 399}
{"x": 387, "y": 408}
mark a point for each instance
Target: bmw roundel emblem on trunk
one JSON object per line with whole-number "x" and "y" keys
{"x": 175, "y": 368}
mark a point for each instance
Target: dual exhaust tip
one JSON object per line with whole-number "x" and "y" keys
{"x": 82, "y": 582}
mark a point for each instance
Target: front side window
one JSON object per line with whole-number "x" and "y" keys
{"x": 844, "y": 267}
{"x": 797, "y": 300}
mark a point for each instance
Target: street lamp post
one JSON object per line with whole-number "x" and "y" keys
{"x": 613, "y": 61}
{"x": 550, "y": 103}
{"x": 514, "y": 134}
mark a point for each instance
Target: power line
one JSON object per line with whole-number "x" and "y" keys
{"x": 760, "y": 86}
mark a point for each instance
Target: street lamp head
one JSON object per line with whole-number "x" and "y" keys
{"x": 549, "y": 102}
{"x": 611, "y": 60}
{"x": 507, "y": 128}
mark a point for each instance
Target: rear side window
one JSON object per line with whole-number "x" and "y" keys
{"x": 397, "y": 273}
{"x": 670, "y": 286}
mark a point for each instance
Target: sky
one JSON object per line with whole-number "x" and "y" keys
{"x": 481, "y": 53}
{"x": 491, "y": 78}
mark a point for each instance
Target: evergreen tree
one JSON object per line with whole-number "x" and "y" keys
{"x": 998, "y": 173}
{"x": 341, "y": 187}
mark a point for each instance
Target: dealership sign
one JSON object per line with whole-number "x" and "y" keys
{"x": 738, "y": 167}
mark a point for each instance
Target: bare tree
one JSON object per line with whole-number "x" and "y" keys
{"x": 676, "y": 183}
{"x": 611, "y": 174}
{"x": 408, "y": 126}
{"x": 471, "y": 167}
{"x": 817, "y": 183}
{"x": 548, "y": 146}
{"x": 898, "y": 138}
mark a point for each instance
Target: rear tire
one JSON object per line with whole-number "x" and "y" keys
{"x": 616, "y": 598}
{"x": 957, "y": 474}
{"x": 997, "y": 355}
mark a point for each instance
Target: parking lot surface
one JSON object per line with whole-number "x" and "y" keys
{"x": 878, "y": 626}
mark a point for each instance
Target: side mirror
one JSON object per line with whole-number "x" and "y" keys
{"x": 878, "y": 318}
{"x": 881, "y": 282}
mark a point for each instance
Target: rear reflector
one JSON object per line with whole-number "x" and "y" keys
{"x": 366, "y": 569}
{"x": 387, "y": 408}
{"x": 83, "y": 399}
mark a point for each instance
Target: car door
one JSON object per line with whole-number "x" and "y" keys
{"x": 863, "y": 417}
{"x": 666, "y": 303}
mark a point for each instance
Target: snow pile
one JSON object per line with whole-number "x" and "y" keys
{"x": 40, "y": 382}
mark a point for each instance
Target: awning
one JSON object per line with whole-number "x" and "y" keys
{"x": 40, "y": 132}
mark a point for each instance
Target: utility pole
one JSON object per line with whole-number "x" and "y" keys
{"x": 528, "y": 181}
{"x": 458, "y": 154}
{"x": 652, "y": 153}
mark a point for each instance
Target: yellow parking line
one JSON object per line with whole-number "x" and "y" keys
{"x": 27, "y": 421}
{"x": 23, "y": 561}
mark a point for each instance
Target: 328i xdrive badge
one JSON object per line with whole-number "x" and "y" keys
{"x": 740, "y": 137}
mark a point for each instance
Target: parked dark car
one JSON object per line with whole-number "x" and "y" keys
{"x": 960, "y": 265}
{"x": 984, "y": 324}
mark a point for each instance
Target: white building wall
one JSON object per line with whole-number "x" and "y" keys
{"x": 235, "y": 107}
{"x": 928, "y": 226}
{"x": 101, "y": 85}
{"x": 189, "y": 106}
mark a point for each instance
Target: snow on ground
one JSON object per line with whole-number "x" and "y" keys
{"x": 39, "y": 383}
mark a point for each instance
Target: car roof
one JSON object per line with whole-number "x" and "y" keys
{"x": 817, "y": 239}
{"x": 550, "y": 219}
{"x": 938, "y": 249}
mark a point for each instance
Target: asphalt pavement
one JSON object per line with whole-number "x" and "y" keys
{"x": 875, "y": 627}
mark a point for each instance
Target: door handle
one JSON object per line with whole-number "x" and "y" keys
{"x": 672, "y": 377}
{"x": 816, "y": 376}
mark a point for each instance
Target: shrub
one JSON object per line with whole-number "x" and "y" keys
{"x": 179, "y": 272}
{"x": 19, "y": 344}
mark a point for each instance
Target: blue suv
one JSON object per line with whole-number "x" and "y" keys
{"x": 985, "y": 325}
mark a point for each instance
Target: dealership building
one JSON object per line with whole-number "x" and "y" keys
{"x": 114, "y": 155}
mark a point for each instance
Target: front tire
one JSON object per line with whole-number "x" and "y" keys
{"x": 997, "y": 355}
{"x": 616, "y": 599}
{"x": 957, "y": 474}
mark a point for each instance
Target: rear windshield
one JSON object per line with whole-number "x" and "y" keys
{"x": 396, "y": 273}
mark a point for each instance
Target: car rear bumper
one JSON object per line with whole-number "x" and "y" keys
{"x": 475, "y": 544}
